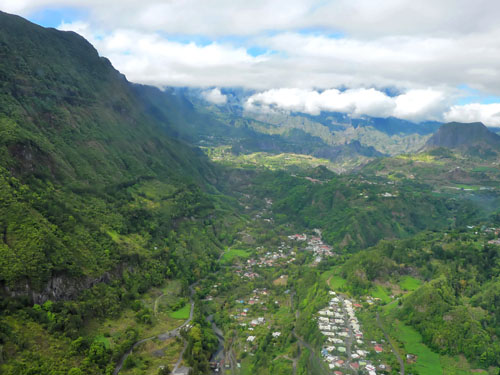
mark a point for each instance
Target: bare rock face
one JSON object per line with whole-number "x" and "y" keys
{"x": 58, "y": 288}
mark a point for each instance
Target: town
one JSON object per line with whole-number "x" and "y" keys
{"x": 345, "y": 347}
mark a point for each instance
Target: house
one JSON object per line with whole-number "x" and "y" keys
{"x": 378, "y": 349}
{"x": 251, "y": 338}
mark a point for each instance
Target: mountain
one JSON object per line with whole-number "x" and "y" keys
{"x": 456, "y": 135}
{"x": 115, "y": 230}
{"x": 89, "y": 180}
{"x": 68, "y": 115}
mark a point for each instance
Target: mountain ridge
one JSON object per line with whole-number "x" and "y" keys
{"x": 463, "y": 135}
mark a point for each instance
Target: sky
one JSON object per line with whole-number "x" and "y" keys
{"x": 416, "y": 60}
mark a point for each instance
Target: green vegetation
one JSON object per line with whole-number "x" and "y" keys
{"x": 336, "y": 282}
{"x": 182, "y": 313}
{"x": 427, "y": 362}
{"x": 409, "y": 283}
{"x": 379, "y": 292}
{"x": 97, "y": 206}
{"x": 231, "y": 254}
{"x": 449, "y": 310}
{"x": 108, "y": 220}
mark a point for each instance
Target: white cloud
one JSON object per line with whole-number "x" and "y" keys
{"x": 358, "y": 102}
{"x": 419, "y": 105}
{"x": 425, "y": 49}
{"x": 488, "y": 114}
{"x": 364, "y": 18}
{"x": 214, "y": 96}
{"x": 152, "y": 59}
{"x": 415, "y": 105}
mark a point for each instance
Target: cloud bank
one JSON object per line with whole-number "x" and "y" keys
{"x": 214, "y": 96}
{"x": 415, "y": 105}
{"x": 426, "y": 50}
{"x": 488, "y": 114}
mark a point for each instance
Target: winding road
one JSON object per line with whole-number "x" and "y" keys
{"x": 398, "y": 357}
{"x": 164, "y": 336}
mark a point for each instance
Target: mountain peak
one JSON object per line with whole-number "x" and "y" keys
{"x": 463, "y": 135}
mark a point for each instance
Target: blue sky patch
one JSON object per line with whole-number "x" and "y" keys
{"x": 53, "y": 17}
{"x": 474, "y": 96}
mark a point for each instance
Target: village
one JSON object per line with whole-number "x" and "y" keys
{"x": 284, "y": 254}
{"x": 345, "y": 349}
{"x": 259, "y": 315}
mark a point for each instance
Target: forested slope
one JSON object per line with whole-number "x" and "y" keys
{"x": 97, "y": 202}
{"x": 457, "y": 308}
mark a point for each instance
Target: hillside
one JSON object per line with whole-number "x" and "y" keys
{"x": 453, "y": 302}
{"x": 98, "y": 202}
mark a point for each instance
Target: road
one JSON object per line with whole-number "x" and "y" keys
{"x": 164, "y": 336}
{"x": 155, "y": 308}
{"x": 398, "y": 357}
{"x": 350, "y": 337}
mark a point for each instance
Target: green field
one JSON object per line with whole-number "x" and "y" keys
{"x": 104, "y": 340}
{"x": 233, "y": 253}
{"x": 409, "y": 283}
{"x": 390, "y": 306}
{"x": 333, "y": 279}
{"x": 380, "y": 292}
{"x": 428, "y": 362}
{"x": 182, "y": 313}
{"x": 337, "y": 282}
{"x": 485, "y": 169}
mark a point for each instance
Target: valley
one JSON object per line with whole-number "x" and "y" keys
{"x": 148, "y": 231}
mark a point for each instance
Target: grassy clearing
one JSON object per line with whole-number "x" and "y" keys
{"x": 104, "y": 340}
{"x": 333, "y": 279}
{"x": 485, "y": 169}
{"x": 426, "y": 158}
{"x": 182, "y": 313}
{"x": 152, "y": 354}
{"x": 223, "y": 154}
{"x": 467, "y": 187}
{"x": 409, "y": 283}
{"x": 337, "y": 282}
{"x": 428, "y": 362}
{"x": 390, "y": 306}
{"x": 233, "y": 253}
{"x": 380, "y": 292}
